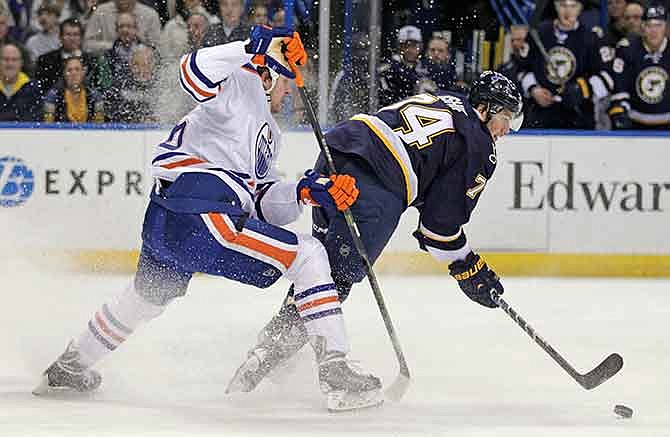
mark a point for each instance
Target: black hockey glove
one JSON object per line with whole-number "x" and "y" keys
{"x": 476, "y": 279}
{"x": 620, "y": 118}
{"x": 576, "y": 93}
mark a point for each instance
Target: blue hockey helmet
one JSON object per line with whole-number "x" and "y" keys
{"x": 498, "y": 93}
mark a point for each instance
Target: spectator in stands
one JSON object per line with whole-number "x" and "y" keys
{"x": 46, "y": 40}
{"x": 71, "y": 100}
{"x": 175, "y": 37}
{"x": 641, "y": 72}
{"x": 115, "y": 63}
{"x": 616, "y": 26}
{"x": 101, "y": 29}
{"x": 17, "y": 11}
{"x": 77, "y": 9}
{"x": 279, "y": 18}
{"x": 50, "y": 65}
{"x": 350, "y": 91}
{"x": 632, "y": 18}
{"x": 437, "y": 72}
{"x": 133, "y": 99}
{"x": 398, "y": 79}
{"x": 258, "y": 13}
{"x": 20, "y": 99}
{"x": 174, "y": 103}
{"x": 514, "y": 68}
{"x": 231, "y": 27}
{"x": 7, "y": 38}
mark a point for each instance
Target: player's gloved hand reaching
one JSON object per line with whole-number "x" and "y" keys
{"x": 276, "y": 47}
{"x": 476, "y": 279}
{"x": 336, "y": 193}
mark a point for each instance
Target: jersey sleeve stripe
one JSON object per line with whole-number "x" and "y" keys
{"x": 198, "y": 73}
{"x": 191, "y": 85}
{"x": 397, "y": 149}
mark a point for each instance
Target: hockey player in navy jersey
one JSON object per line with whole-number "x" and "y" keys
{"x": 563, "y": 88}
{"x": 433, "y": 153}
{"x": 218, "y": 207}
{"x": 641, "y": 72}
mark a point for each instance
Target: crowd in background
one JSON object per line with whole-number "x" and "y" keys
{"x": 117, "y": 61}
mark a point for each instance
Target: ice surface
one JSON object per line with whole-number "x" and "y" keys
{"x": 475, "y": 373}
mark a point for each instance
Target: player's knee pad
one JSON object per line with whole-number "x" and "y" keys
{"x": 159, "y": 282}
{"x": 311, "y": 263}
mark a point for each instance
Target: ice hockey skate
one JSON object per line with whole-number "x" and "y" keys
{"x": 67, "y": 374}
{"x": 279, "y": 340}
{"x": 347, "y": 388}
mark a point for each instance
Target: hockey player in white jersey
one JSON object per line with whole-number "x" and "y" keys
{"x": 217, "y": 207}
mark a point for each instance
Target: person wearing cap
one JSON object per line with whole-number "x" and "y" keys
{"x": 398, "y": 79}
{"x": 564, "y": 86}
{"x": 641, "y": 72}
{"x": 48, "y": 38}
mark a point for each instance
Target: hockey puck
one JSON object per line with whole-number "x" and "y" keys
{"x": 623, "y": 411}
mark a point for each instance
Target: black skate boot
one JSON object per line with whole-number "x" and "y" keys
{"x": 279, "y": 340}
{"x": 67, "y": 374}
{"x": 346, "y": 388}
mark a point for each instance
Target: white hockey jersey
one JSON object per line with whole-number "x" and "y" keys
{"x": 231, "y": 133}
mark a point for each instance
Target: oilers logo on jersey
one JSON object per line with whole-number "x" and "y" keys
{"x": 264, "y": 151}
{"x": 562, "y": 65}
{"x": 651, "y": 84}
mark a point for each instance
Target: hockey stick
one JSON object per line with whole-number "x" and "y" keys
{"x": 601, "y": 373}
{"x": 396, "y": 391}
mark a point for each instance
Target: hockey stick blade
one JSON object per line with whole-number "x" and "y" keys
{"x": 397, "y": 390}
{"x": 604, "y": 371}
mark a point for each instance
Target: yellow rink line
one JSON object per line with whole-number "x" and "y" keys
{"x": 418, "y": 263}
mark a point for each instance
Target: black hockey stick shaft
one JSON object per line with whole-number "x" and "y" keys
{"x": 355, "y": 233}
{"x": 601, "y": 373}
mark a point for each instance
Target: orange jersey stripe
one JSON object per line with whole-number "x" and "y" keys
{"x": 106, "y": 329}
{"x": 283, "y": 256}
{"x": 190, "y": 82}
{"x": 317, "y": 302}
{"x": 183, "y": 163}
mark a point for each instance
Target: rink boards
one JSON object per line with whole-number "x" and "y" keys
{"x": 563, "y": 204}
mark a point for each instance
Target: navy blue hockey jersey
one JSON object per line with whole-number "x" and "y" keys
{"x": 641, "y": 82}
{"x": 432, "y": 151}
{"x": 573, "y": 54}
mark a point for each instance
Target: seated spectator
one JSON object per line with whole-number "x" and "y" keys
{"x": 46, "y": 40}
{"x": 278, "y": 18}
{"x": 615, "y": 27}
{"x": 632, "y": 18}
{"x": 50, "y": 65}
{"x": 71, "y": 100}
{"x": 437, "y": 71}
{"x": 115, "y": 63}
{"x": 133, "y": 99}
{"x": 231, "y": 27}
{"x": 175, "y": 35}
{"x": 513, "y": 69}
{"x": 7, "y": 38}
{"x": 398, "y": 79}
{"x": 17, "y": 11}
{"x": 641, "y": 72}
{"x": 258, "y": 13}
{"x": 75, "y": 9}
{"x": 101, "y": 29}
{"x": 20, "y": 99}
{"x": 174, "y": 103}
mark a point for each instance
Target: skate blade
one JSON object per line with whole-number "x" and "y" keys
{"x": 241, "y": 382}
{"x": 341, "y": 401}
{"x": 43, "y": 387}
